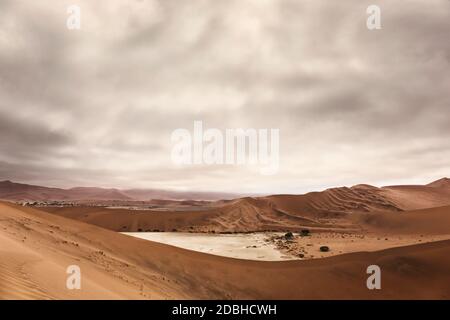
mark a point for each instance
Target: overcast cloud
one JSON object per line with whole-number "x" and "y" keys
{"x": 97, "y": 106}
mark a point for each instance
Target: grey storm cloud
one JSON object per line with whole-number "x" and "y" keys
{"x": 97, "y": 106}
{"x": 25, "y": 135}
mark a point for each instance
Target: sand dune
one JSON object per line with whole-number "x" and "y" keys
{"x": 36, "y": 247}
{"x": 242, "y": 215}
{"x": 337, "y": 202}
{"x": 334, "y": 202}
{"x": 329, "y": 210}
{"x": 423, "y": 221}
{"x": 417, "y": 197}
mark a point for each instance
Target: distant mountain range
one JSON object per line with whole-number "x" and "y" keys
{"x": 24, "y": 192}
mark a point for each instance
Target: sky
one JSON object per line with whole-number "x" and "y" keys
{"x": 97, "y": 106}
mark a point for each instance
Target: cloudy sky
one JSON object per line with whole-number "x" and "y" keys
{"x": 97, "y": 106}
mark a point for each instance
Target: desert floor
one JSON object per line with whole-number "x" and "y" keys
{"x": 250, "y": 246}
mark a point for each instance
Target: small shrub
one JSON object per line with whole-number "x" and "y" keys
{"x": 289, "y": 236}
{"x": 305, "y": 232}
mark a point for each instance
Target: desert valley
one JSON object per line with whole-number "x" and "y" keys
{"x": 147, "y": 244}
{"x": 224, "y": 150}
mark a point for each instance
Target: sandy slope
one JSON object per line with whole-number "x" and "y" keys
{"x": 417, "y": 197}
{"x": 36, "y": 247}
{"x": 432, "y": 221}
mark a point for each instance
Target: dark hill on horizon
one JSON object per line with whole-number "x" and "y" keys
{"x": 25, "y": 192}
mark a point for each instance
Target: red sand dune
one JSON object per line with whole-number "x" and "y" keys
{"x": 423, "y": 221}
{"x": 242, "y": 215}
